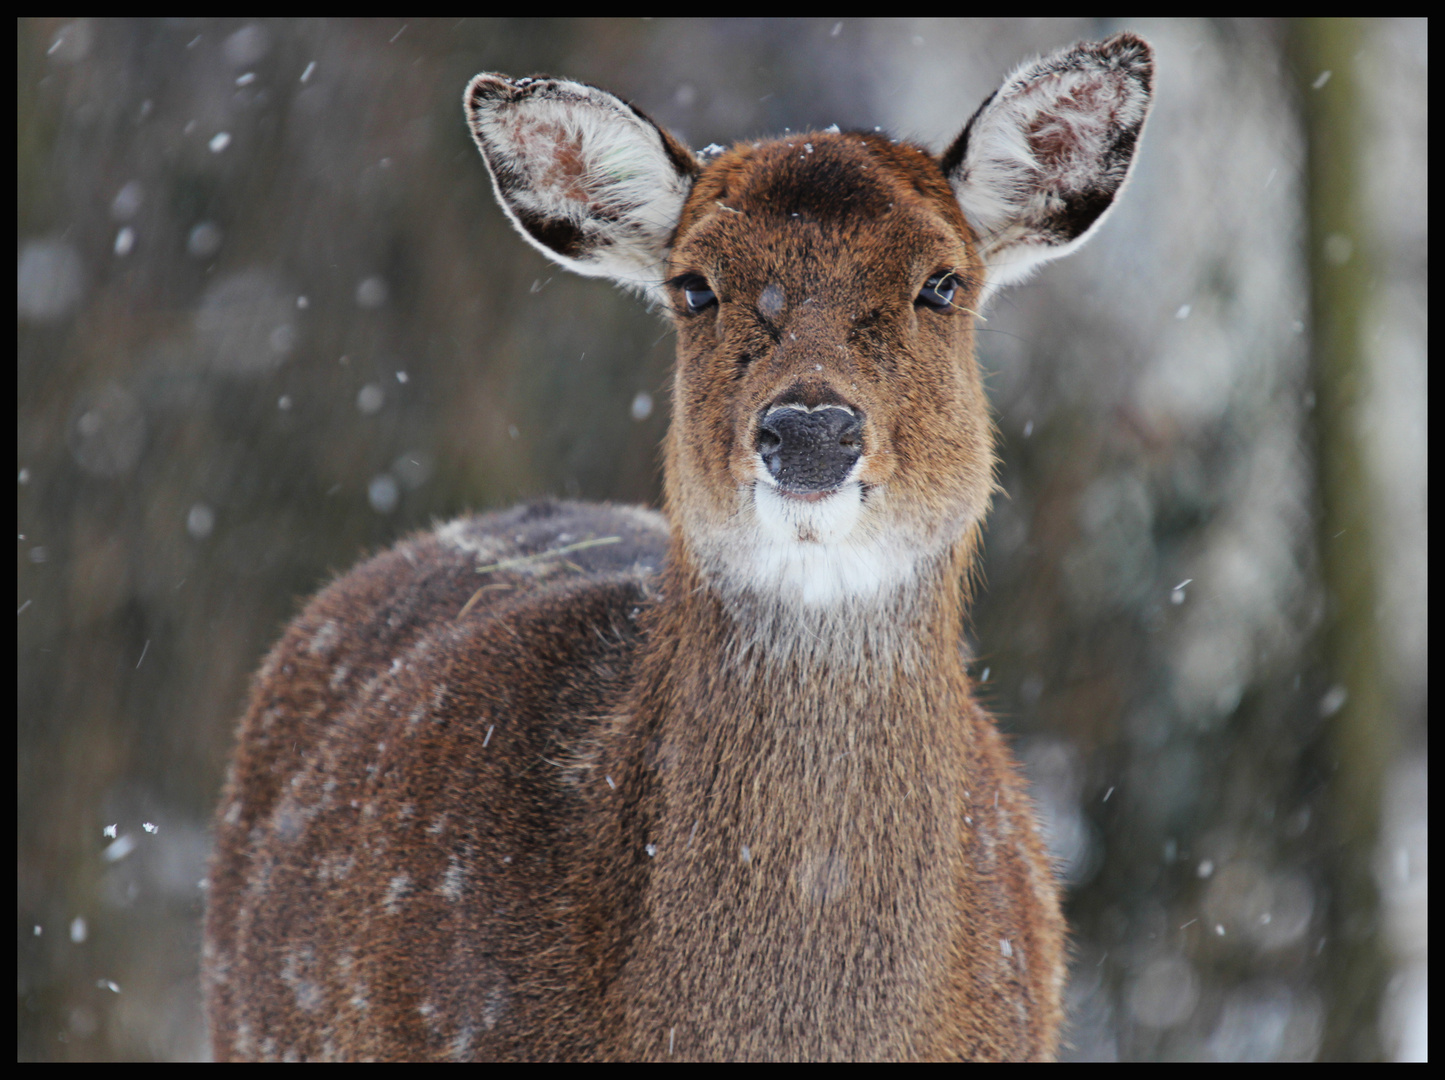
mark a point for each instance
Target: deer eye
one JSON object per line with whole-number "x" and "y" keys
{"x": 938, "y": 290}
{"x": 697, "y": 294}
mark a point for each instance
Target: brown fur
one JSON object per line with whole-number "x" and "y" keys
{"x": 505, "y": 793}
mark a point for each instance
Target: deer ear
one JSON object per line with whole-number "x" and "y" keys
{"x": 1044, "y": 158}
{"x": 586, "y": 178}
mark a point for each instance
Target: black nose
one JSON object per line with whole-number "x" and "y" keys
{"x": 809, "y": 451}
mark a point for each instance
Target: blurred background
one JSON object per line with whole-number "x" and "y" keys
{"x": 269, "y": 319}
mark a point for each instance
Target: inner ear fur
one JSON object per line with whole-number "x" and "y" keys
{"x": 1043, "y": 160}
{"x": 587, "y": 179}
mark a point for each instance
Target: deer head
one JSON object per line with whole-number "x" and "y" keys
{"x": 830, "y": 438}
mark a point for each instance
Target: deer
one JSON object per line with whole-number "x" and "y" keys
{"x": 578, "y": 781}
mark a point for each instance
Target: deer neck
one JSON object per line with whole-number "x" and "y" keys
{"x": 804, "y": 818}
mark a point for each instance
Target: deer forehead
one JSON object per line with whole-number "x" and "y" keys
{"x": 846, "y": 202}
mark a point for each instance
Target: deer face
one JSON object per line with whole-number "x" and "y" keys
{"x": 829, "y": 427}
{"x": 830, "y": 438}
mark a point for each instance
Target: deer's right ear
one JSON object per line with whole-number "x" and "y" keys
{"x": 586, "y": 178}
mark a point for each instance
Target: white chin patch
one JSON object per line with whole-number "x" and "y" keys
{"x": 825, "y": 520}
{"x": 816, "y": 551}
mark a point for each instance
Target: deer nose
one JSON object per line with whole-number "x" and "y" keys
{"x": 808, "y": 451}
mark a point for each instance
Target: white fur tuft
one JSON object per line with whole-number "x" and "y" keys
{"x": 817, "y": 555}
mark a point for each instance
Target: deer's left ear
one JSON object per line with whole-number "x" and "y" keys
{"x": 1044, "y": 158}
{"x": 586, "y": 178}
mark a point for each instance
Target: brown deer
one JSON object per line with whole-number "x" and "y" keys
{"x": 589, "y": 782}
